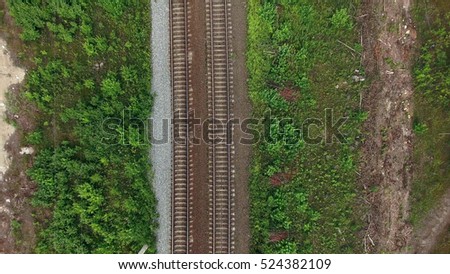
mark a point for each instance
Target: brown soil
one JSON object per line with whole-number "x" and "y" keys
{"x": 433, "y": 226}
{"x": 389, "y": 40}
{"x": 280, "y": 179}
{"x": 242, "y": 110}
{"x": 15, "y": 187}
{"x": 278, "y": 236}
{"x": 200, "y": 224}
{"x": 289, "y": 95}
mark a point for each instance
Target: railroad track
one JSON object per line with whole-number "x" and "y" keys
{"x": 181, "y": 105}
{"x": 220, "y": 154}
{"x": 221, "y": 149}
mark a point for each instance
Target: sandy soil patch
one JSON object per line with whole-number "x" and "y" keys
{"x": 9, "y": 75}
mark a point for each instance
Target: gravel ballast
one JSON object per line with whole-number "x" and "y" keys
{"x": 161, "y": 153}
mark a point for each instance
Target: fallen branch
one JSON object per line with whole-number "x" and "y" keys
{"x": 347, "y": 46}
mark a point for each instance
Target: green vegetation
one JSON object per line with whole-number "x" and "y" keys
{"x": 432, "y": 106}
{"x": 90, "y": 60}
{"x": 16, "y": 228}
{"x": 302, "y": 59}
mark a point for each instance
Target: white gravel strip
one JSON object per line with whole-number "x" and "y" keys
{"x": 161, "y": 154}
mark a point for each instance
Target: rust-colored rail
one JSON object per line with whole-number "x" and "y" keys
{"x": 221, "y": 149}
{"x": 220, "y": 153}
{"x": 181, "y": 104}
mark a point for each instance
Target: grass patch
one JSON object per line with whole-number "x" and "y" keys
{"x": 432, "y": 105}
{"x": 16, "y": 227}
{"x": 308, "y": 50}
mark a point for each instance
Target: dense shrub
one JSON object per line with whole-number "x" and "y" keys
{"x": 91, "y": 62}
{"x": 293, "y": 45}
{"x": 432, "y": 72}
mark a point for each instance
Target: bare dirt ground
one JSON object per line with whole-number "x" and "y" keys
{"x": 389, "y": 39}
{"x": 9, "y": 75}
{"x": 433, "y": 226}
{"x": 10, "y": 200}
{"x": 200, "y": 225}
{"x": 17, "y": 230}
{"x": 242, "y": 110}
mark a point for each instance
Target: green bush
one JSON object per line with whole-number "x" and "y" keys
{"x": 431, "y": 109}
{"x": 293, "y": 45}
{"x": 99, "y": 194}
{"x": 432, "y": 73}
{"x": 35, "y": 138}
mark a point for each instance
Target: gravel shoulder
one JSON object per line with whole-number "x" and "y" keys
{"x": 161, "y": 153}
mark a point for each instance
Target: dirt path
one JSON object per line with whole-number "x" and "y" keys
{"x": 242, "y": 110}
{"x": 433, "y": 226}
{"x": 9, "y": 75}
{"x": 388, "y": 38}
